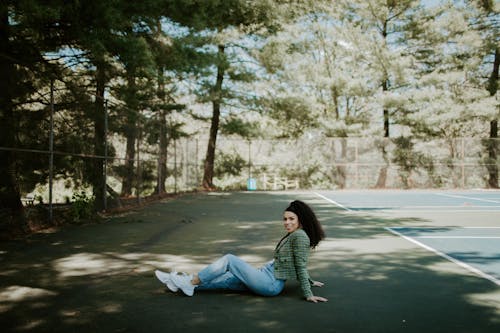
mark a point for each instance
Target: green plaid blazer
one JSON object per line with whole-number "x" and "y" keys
{"x": 290, "y": 260}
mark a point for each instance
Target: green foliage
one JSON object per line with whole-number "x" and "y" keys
{"x": 434, "y": 178}
{"x": 148, "y": 177}
{"x": 218, "y": 14}
{"x": 404, "y": 157}
{"x": 409, "y": 160}
{"x": 293, "y": 114}
{"x": 240, "y": 127}
{"x": 229, "y": 164}
{"x": 308, "y": 176}
{"x": 82, "y": 206}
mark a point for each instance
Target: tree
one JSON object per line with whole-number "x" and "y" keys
{"x": 346, "y": 60}
{"x": 208, "y": 172}
{"x": 454, "y": 56}
{"x": 488, "y": 24}
{"x": 26, "y": 34}
{"x": 136, "y": 92}
{"x": 178, "y": 55}
{"x": 493, "y": 144}
{"x": 114, "y": 36}
{"x": 322, "y": 82}
{"x": 9, "y": 190}
{"x": 220, "y": 20}
{"x": 384, "y": 22}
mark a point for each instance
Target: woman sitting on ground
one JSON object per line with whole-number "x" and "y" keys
{"x": 229, "y": 272}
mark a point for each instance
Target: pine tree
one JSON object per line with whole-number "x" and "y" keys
{"x": 222, "y": 19}
{"x": 10, "y": 89}
{"x": 448, "y": 99}
{"x": 27, "y": 33}
{"x": 488, "y": 25}
{"x": 114, "y": 36}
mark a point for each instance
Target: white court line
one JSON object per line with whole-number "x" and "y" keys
{"x": 465, "y": 197}
{"x": 449, "y": 211}
{"x": 333, "y": 202}
{"x": 459, "y": 237}
{"x": 450, "y": 227}
{"x": 458, "y": 262}
{"x": 446, "y": 209}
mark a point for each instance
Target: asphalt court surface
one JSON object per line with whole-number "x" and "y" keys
{"x": 477, "y": 249}
{"x": 414, "y": 200}
{"x": 99, "y": 277}
{"x": 458, "y": 234}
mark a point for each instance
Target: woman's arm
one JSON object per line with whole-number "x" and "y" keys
{"x": 300, "y": 251}
{"x": 300, "y": 248}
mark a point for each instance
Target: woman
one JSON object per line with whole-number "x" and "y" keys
{"x": 304, "y": 232}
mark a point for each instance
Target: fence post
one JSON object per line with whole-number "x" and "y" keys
{"x": 197, "y": 183}
{"x": 51, "y": 148}
{"x": 249, "y": 159}
{"x": 463, "y": 162}
{"x": 139, "y": 166}
{"x": 185, "y": 158}
{"x": 356, "y": 162}
{"x": 175, "y": 165}
{"x": 105, "y": 190}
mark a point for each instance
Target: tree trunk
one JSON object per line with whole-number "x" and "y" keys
{"x": 97, "y": 180}
{"x": 382, "y": 176}
{"x": 129, "y": 170}
{"x": 341, "y": 169}
{"x": 162, "y": 158}
{"x": 214, "y": 127}
{"x": 131, "y": 136}
{"x": 385, "y": 87}
{"x": 386, "y": 123}
{"x": 163, "y": 140}
{"x": 10, "y": 198}
{"x": 492, "y": 164}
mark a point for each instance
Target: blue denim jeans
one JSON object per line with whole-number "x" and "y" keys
{"x": 232, "y": 273}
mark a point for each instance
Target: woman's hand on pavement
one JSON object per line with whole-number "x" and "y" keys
{"x": 316, "y": 299}
{"x": 317, "y": 284}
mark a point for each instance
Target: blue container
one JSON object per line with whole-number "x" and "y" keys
{"x": 251, "y": 184}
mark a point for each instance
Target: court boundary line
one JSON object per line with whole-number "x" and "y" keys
{"x": 452, "y": 227}
{"x": 458, "y": 237}
{"x": 427, "y": 207}
{"x": 444, "y": 255}
{"x": 419, "y": 209}
{"x": 465, "y": 197}
{"x": 469, "y": 207}
{"x": 333, "y": 202}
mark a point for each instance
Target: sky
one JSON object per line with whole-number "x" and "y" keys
{"x": 430, "y": 3}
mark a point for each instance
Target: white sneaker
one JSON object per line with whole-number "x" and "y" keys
{"x": 184, "y": 283}
{"x": 166, "y": 279}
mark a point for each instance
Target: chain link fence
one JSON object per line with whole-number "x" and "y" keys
{"x": 353, "y": 163}
{"x": 306, "y": 163}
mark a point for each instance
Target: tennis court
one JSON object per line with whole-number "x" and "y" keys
{"x": 379, "y": 272}
{"x": 450, "y": 201}
{"x": 474, "y": 248}
{"x": 472, "y": 243}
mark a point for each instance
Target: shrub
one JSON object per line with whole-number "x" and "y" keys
{"x": 82, "y": 206}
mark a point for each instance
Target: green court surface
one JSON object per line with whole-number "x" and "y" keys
{"x": 99, "y": 277}
{"x": 474, "y": 248}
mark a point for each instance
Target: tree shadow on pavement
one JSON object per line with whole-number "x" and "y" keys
{"x": 99, "y": 278}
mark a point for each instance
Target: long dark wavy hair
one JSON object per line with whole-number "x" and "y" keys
{"x": 308, "y": 221}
